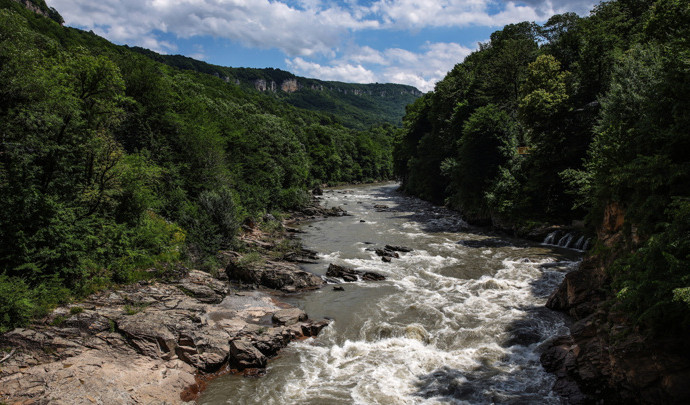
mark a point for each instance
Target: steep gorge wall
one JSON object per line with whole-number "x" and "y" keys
{"x": 606, "y": 357}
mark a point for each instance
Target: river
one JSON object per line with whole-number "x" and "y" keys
{"x": 460, "y": 319}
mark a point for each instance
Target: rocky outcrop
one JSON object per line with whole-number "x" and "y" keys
{"x": 315, "y": 211}
{"x": 146, "y": 343}
{"x": 42, "y": 9}
{"x": 283, "y": 276}
{"x": 606, "y": 357}
{"x": 290, "y": 86}
{"x": 349, "y": 275}
{"x": 289, "y": 316}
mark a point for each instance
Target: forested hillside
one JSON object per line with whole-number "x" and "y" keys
{"x": 579, "y": 117}
{"x": 355, "y": 105}
{"x": 111, "y": 163}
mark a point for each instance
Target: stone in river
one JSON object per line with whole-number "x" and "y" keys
{"x": 348, "y": 274}
{"x": 396, "y": 248}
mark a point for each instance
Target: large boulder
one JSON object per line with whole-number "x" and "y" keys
{"x": 275, "y": 275}
{"x": 203, "y": 287}
{"x": 289, "y": 316}
{"x": 349, "y": 274}
{"x": 244, "y": 355}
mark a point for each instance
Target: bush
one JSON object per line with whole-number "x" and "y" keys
{"x": 16, "y": 306}
{"x": 19, "y": 302}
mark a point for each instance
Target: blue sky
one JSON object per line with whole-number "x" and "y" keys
{"x": 412, "y": 42}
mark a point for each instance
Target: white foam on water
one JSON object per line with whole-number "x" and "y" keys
{"x": 439, "y": 335}
{"x": 458, "y": 340}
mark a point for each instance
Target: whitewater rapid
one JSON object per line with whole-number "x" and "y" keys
{"x": 460, "y": 319}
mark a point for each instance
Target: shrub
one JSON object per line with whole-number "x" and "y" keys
{"x": 16, "y": 306}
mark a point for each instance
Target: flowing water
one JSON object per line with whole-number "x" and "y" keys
{"x": 460, "y": 319}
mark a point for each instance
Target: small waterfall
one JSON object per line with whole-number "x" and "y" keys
{"x": 578, "y": 245}
{"x": 550, "y": 238}
{"x": 586, "y": 244}
{"x": 568, "y": 240}
{"x": 565, "y": 240}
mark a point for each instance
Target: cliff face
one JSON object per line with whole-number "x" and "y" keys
{"x": 293, "y": 85}
{"x": 606, "y": 357}
{"x": 41, "y": 8}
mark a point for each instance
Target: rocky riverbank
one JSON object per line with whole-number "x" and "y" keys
{"x": 606, "y": 359}
{"x": 158, "y": 341}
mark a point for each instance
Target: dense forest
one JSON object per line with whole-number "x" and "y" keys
{"x": 581, "y": 117}
{"x": 355, "y": 105}
{"x": 112, "y": 163}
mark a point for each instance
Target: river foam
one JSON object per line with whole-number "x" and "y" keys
{"x": 451, "y": 324}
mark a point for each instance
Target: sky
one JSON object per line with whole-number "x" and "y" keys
{"x": 414, "y": 42}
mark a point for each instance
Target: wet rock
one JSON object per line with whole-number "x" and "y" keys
{"x": 372, "y": 276}
{"x": 342, "y": 272}
{"x": 386, "y": 253}
{"x": 313, "y": 328}
{"x": 338, "y": 288}
{"x": 244, "y": 355}
{"x": 361, "y": 220}
{"x": 395, "y": 248}
{"x": 271, "y": 340}
{"x": 293, "y": 230}
{"x": 317, "y": 191}
{"x": 349, "y": 275}
{"x": 380, "y": 207}
{"x": 305, "y": 256}
{"x": 484, "y": 243}
{"x": 579, "y": 293}
{"x": 289, "y": 316}
{"x": 386, "y": 259}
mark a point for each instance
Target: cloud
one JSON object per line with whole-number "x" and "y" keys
{"x": 419, "y": 14}
{"x": 340, "y": 72}
{"x": 423, "y": 69}
{"x": 316, "y": 36}
{"x": 296, "y": 27}
{"x": 305, "y": 29}
{"x": 367, "y": 65}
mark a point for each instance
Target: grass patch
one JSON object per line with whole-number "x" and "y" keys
{"x": 135, "y": 308}
{"x": 76, "y": 310}
{"x": 251, "y": 259}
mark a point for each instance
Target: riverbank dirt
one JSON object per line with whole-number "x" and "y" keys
{"x": 160, "y": 341}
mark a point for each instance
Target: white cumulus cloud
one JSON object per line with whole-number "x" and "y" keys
{"x": 366, "y": 65}
{"x": 317, "y": 36}
{"x": 306, "y": 30}
{"x": 339, "y": 72}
